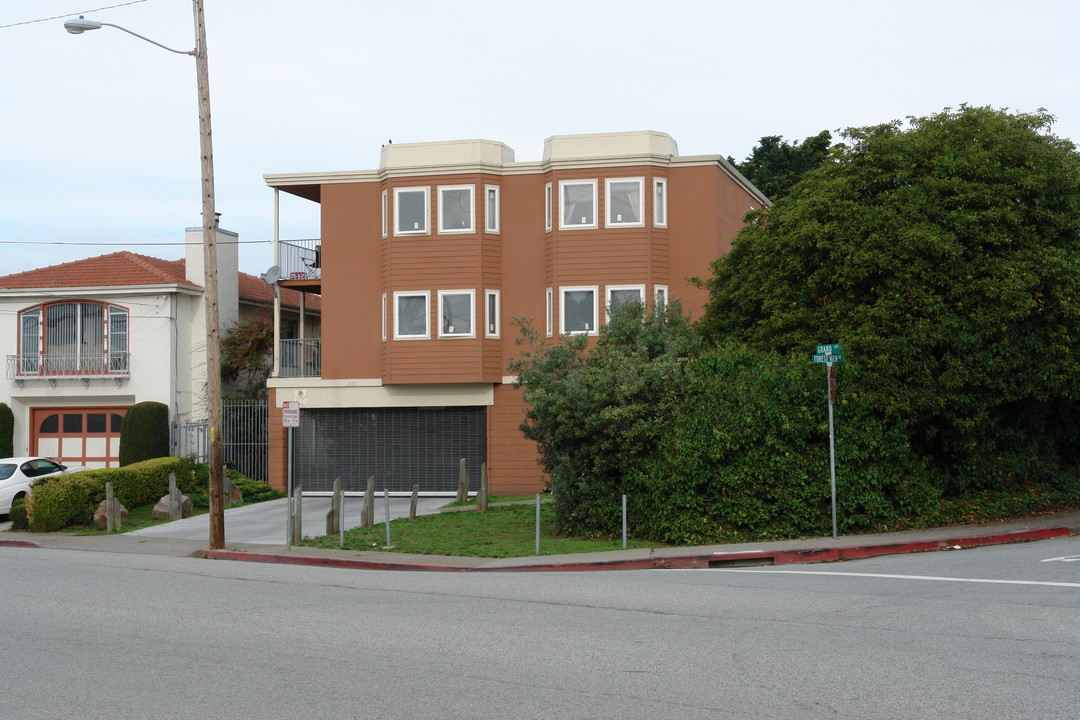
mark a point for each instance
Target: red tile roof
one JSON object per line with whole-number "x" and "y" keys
{"x": 127, "y": 268}
{"x": 119, "y": 268}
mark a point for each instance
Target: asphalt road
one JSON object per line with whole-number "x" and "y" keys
{"x": 983, "y": 633}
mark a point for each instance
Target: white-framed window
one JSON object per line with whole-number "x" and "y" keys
{"x": 660, "y": 202}
{"x": 624, "y": 202}
{"x": 491, "y": 313}
{"x": 577, "y": 310}
{"x": 577, "y": 204}
{"x": 491, "y": 208}
{"x": 619, "y": 295}
{"x": 412, "y": 208}
{"x": 385, "y": 220}
{"x": 457, "y": 313}
{"x": 660, "y": 296}
{"x": 411, "y": 315}
{"x": 549, "y": 302}
{"x": 73, "y": 338}
{"x": 384, "y": 317}
{"x": 547, "y": 207}
{"x": 457, "y": 212}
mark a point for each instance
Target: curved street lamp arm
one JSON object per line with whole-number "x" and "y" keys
{"x": 152, "y": 42}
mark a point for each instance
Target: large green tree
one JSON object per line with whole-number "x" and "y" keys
{"x": 775, "y": 165}
{"x": 944, "y": 253}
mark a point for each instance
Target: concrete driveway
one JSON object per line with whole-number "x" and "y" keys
{"x": 265, "y": 523}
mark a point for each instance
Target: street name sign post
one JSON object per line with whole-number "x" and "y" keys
{"x": 827, "y": 355}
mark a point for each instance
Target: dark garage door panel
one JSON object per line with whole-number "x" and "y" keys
{"x": 399, "y": 446}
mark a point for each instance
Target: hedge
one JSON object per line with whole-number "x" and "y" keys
{"x": 72, "y": 499}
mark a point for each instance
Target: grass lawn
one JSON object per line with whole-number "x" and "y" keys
{"x": 501, "y": 531}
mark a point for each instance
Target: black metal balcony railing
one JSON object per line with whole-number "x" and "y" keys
{"x": 300, "y": 259}
{"x": 82, "y": 365}
{"x": 300, "y": 358}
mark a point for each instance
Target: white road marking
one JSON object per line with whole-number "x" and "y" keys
{"x": 901, "y": 577}
{"x": 1065, "y": 558}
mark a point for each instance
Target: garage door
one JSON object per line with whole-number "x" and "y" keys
{"x": 399, "y": 446}
{"x": 78, "y": 436}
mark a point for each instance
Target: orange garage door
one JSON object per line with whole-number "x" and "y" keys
{"x": 78, "y": 436}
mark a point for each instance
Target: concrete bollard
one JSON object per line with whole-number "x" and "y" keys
{"x": 297, "y": 514}
{"x": 463, "y": 483}
{"x": 176, "y": 510}
{"x": 333, "y": 516}
{"x": 412, "y": 505}
{"x": 482, "y": 493}
{"x": 112, "y": 520}
{"x": 367, "y": 515}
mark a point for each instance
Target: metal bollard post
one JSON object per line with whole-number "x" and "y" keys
{"x": 386, "y": 497}
{"x": 623, "y": 522}
{"x": 537, "y": 523}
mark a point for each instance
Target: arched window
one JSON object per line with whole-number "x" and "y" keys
{"x": 73, "y": 338}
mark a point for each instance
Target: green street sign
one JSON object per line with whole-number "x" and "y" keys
{"x": 828, "y": 354}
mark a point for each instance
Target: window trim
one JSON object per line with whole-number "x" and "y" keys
{"x": 489, "y": 321}
{"x": 608, "y": 222}
{"x": 549, "y": 305}
{"x": 384, "y": 319}
{"x": 426, "y": 294}
{"x": 398, "y": 232}
{"x": 563, "y": 184}
{"x": 657, "y": 290}
{"x": 472, "y": 313}
{"x": 44, "y": 360}
{"x": 547, "y": 207}
{"x": 472, "y": 210}
{"x": 660, "y": 214}
{"x": 608, "y": 289}
{"x": 385, "y": 208}
{"x": 595, "y": 289}
{"x": 492, "y": 213}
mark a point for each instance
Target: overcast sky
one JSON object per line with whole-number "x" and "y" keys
{"x": 100, "y": 131}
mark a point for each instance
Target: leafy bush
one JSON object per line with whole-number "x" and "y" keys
{"x": 144, "y": 433}
{"x": 196, "y": 486}
{"x": 72, "y": 499}
{"x": 18, "y": 514}
{"x": 943, "y": 255}
{"x": 7, "y": 431}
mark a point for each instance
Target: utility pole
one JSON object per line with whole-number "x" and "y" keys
{"x": 213, "y": 315}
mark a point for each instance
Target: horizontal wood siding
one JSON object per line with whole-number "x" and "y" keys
{"x": 513, "y": 467}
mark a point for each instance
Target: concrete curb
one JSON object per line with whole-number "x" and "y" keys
{"x": 692, "y": 561}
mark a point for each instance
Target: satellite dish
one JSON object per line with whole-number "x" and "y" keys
{"x": 272, "y": 275}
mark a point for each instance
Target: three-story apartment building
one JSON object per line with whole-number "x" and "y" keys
{"x": 423, "y": 263}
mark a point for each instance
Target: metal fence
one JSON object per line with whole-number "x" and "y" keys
{"x": 244, "y": 436}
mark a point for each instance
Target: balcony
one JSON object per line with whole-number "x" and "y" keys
{"x": 82, "y": 366}
{"x": 300, "y": 259}
{"x": 300, "y": 358}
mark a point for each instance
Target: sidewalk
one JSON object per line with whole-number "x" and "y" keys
{"x": 805, "y": 550}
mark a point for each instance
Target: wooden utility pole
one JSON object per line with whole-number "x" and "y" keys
{"x": 210, "y": 296}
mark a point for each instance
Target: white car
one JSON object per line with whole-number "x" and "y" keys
{"x": 17, "y": 473}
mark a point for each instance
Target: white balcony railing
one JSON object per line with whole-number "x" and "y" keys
{"x": 300, "y": 358}
{"x": 50, "y": 366}
{"x": 300, "y": 259}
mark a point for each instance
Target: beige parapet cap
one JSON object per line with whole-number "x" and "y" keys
{"x": 609, "y": 145}
{"x": 452, "y": 152}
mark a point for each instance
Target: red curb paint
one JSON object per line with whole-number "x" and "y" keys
{"x": 712, "y": 560}
{"x": 20, "y": 543}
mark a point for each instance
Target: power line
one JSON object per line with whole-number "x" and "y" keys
{"x": 77, "y": 12}
{"x": 143, "y": 244}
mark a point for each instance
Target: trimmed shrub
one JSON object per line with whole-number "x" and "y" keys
{"x": 71, "y": 499}
{"x": 7, "y": 431}
{"x": 144, "y": 433}
{"x": 18, "y": 514}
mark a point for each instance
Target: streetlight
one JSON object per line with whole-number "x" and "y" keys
{"x": 209, "y": 226}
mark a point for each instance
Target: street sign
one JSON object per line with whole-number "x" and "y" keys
{"x": 828, "y": 354}
{"x": 290, "y": 414}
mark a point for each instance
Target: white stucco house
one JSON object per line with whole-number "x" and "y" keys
{"x": 83, "y": 341}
